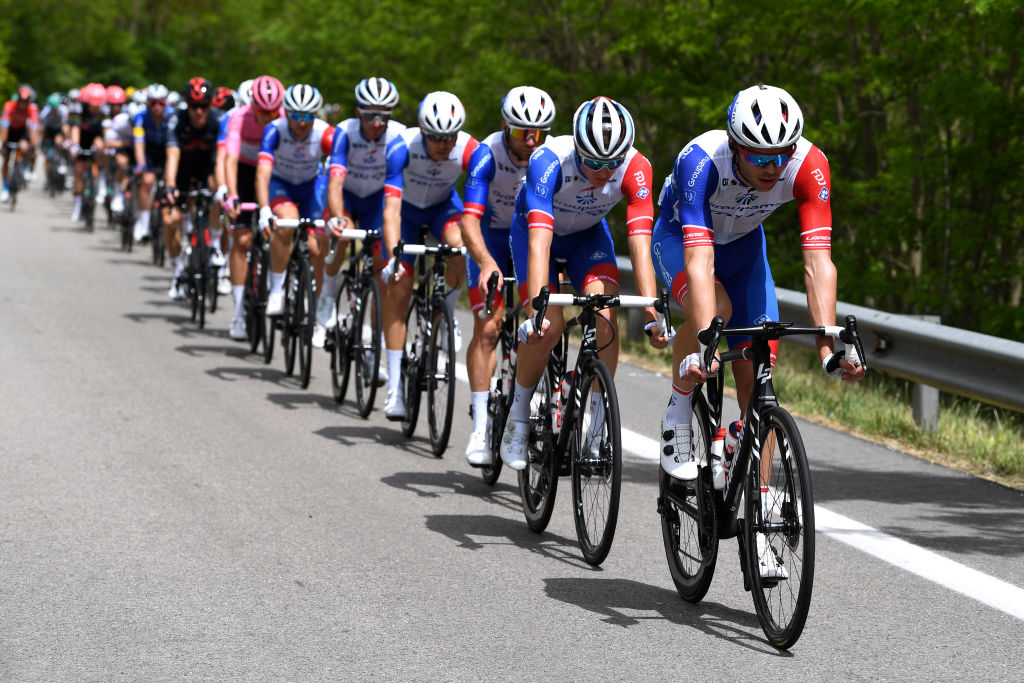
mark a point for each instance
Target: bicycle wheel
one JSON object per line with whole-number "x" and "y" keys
{"x": 441, "y": 377}
{"x": 538, "y": 483}
{"x": 341, "y": 354}
{"x": 156, "y": 235}
{"x": 595, "y": 449}
{"x": 413, "y": 362}
{"x": 498, "y": 403}
{"x": 289, "y": 320}
{"x": 691, "y": 546}
{"x": 305, "y": 309}
{"x": 201, "y": 274}
{"x": 779, "y": 520}
{"x": 366, "y": 345}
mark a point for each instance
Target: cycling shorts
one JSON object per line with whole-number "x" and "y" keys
{"x": 193, "y": 174}
{"x": 438, "y": 218}
{"x": 246, "y": 182}
{"x": 16, "y": 135}
{"x": 497, "y": 243}
{"x": 741, "y": 267}
{"x": 156, "y": 157}
{"x": 308, "y": 197}
{"x": 590, "y": 255}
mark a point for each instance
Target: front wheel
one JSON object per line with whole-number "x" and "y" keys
{"x": 366, "y": 350}
{"x": 595, "y": 449}
{"x": 290, "y": 320}
{"x": 498, "y": 402}
{"x": 413, "y": 361}
{"x": 538, "y": 483}
{"x": 305, "y": 316}
{"x": 778, "y": 533}
{"x": 341, "y": 353}
{"x": 441, "y": 378}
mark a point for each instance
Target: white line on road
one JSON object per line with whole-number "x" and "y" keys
{"x": 928, "y": 565}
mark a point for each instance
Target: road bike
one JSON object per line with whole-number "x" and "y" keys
{"x": 16, "y": 172}
{"x": 127, "y": 217}
{"x": 299, "y": 314}
{"x": 199, "y": 276}
{"x": 257, "y": 283}
{"x": 156, "y": 220}
{"x": 768, "y": 481}
{"x": 88, "y": 188}
{"x": 575, "y": 427}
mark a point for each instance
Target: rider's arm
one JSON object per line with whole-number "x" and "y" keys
{"x": 543, "y": 178}
{"x": 336, "y": 174}
{"x": 695, "y": 172}
{"x": 139, "y": 134}
{"x": 263, "y": 173}
{"x": 397, "y": 159}
{"x": 636, "y": 188}
{"x": 265, "y": 163}
{"x": 478, "y": 183}
{"x": 171, "y": 165}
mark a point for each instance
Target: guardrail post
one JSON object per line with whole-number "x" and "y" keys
{"x": 925, "y": 399}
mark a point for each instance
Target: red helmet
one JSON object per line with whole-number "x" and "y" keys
{"x": 267, "y": 93}
{"x": 115, "y": 94}
{"x": 224, "y": 98}
{"x": 198, "y": 91}
{"x": 26, "y": 93}
{"x": 94, "y": 94}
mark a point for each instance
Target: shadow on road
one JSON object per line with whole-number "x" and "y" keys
{"x": 201, "y": 350}
{"x": 295, "y": 401}
{"x": 372, "y": 433}
{"x": 625, "y": 603}
{"x": 437, "y": 484}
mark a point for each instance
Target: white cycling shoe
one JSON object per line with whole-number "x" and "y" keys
{"x": 238, "y": 331}
{"x": 177, "y": 290}
{"x": 394, "y": 406}
{"x": 275, "y": 303}
{"x": 769, "y": 564}
{"x": 514, "y": 444}
{"x": 217, "y": 259}
{"x": 327, "y": 312}
{"x": 677, "y": 451}
{"x": 319, "y": 335}
{"x": 117, "y": 203}
{"x": 223, "y": 286}
{"x": 477, "y": 453}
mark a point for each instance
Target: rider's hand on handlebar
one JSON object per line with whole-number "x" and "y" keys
{"x": 657, "y": 337}
{"x": 220, "y": 194}
{"x": 266, "y": 220}
{"x": 692, "y": 369}
{"x": 337, "y": 225}
{"x": 838, "y": 367}
{"x": 486, "y": 271}
{"x": 392, "y": 270}
{"x": 528, "y": 334}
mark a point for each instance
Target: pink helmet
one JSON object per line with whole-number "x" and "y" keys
{"x": 115, "y": 94}
{"x": 267, "y": 93}
{"x": 94, "y": 94}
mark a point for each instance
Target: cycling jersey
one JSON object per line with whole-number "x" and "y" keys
{"x": 153, "y": 135}
{"x": 53, "y": 118}
{"x": 423, "y": 182}
{"x": 245, "y": 134}
{"x": 222, "y": 130}
{"x": 15, "y": 117}
{"x": 708, "y": 203}
{"x": 295, "y": 161}
{"x": 119, "y": 129}
{"x": 557, "y": 196}
{"x": 197, "y": 147}
{"x": 362, "y": 162}
{"x": 90, "y": 127}
{"x": 492, "y": 183}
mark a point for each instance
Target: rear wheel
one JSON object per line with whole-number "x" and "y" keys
{"x": 366, "y": 345}
{"x": 441, "y": 378}
{"x": 412, "y": 368}
{"x": 305, "y": 308}
{"x": 538, "y": 483}
{"x": 341, "y": 360}
{"x": 289, "y": 320}
{"x": 252, "y": 296}
{"x": 779, "y": 514}
{"x": 498, "y": 403}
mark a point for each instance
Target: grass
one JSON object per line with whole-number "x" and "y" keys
{"x": 973, "y": 437}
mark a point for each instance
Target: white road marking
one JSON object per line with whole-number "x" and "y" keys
{"x": 957, "y": 577}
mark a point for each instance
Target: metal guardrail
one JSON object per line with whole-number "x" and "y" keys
{"x": 979, "y": 366}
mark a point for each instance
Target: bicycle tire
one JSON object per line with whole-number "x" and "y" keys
{"x": 499, "y": 400}
{"x": 202, "y": 267}
{"x": 691, "y": 548}
{"x": 596, "y": 476}
{"x": 441, "y": 377}
{"x": 787, "y": 519}
{"x": 412, "y": 367}
{"x": 341, "y": 356}
{"x": 305, "y": 308}
{"x": 538, "y": 482}
{"x": 366, "y": 351}
{"x": 289, "y": 324}
{"x": 251, "y": 301}
{"x": 156, "y": 234}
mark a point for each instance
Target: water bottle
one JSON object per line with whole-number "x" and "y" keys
{"x": 561, "y": 396}
{"x": 732, "y": 440}
{"x": 719, "y": 468}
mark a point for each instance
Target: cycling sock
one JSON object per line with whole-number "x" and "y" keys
{"x": 330, "y": 286}
{"x": 394, "y": 369}
{"x": 452, "y": 297}
{"x": 276, "y": 281}
{"x": 78, "y": 202}
{"x": 238, "y": 294}
{"x": 520, "y": 409}
{"x": 479, "y": 401}
{"x": 215, "y": 236}
{"x": 680, "y": 410}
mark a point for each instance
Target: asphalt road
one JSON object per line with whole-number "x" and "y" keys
{"x": 171, "y": 508}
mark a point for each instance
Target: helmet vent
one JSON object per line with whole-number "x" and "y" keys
{"x": 755, "y": 109}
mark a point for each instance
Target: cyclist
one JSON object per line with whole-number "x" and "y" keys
{"x": 423, "y": 165}
{"x": 497, "y": 169}
{"x": 191, "y": 146}
{"x": 355, "y": 189}
{"x": 19, "y": 123}
{"x": 150, "y": 132}
{"x": 87, "y": 133}
{"x": 287, "y": 180}
{"x": 261, "y": 103}
{"x": 117, "y": 137}
{"x": 709, "y": 244}
{"x": 54, "y": 119}
{"x": 571, "y": 185}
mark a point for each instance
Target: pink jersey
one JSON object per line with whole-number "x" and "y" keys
{"x": 245, "y": 134}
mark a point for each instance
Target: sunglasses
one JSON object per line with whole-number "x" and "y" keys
{"x": 159, "y": 103}
{"x": 372, "y": 116}
{"x": 524, "y": 133}
{"x": 447, "y": 137}
{"x": 300, "y": 118}
{"x": 598, "y": 165}
{"x": 265, "y": 112}
{"x": 199, "y": 107}
{"x": 762, "y": 160}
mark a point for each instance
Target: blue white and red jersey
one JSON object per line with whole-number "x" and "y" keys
{"x": 222, "y": 132}
{"x": 362, "y": 162}
{"x": 557, "y": 196}
{"x": 419, "y": 180}
{"x": 295, "y": 161}
{"x": 706, "y": 200}
{"x": 492, "y": 183}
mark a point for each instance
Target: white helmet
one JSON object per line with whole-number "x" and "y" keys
{"x": 156, "y": 91}
{"x": 376, "y": 92}
{"x": 441, "y": 113}
{"x": 303, "y": 99}
{"x": 244, "y": 96}
{"x": 602, "y": 129}
{"x": 765, "y": 117}
{"x": 527, "y": 107}
{"x": 139, "y": 96}
{"x": 174, "y": 100}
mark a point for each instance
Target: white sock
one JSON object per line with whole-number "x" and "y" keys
{"x": 176, "y": 266}
{"x": 680, "y": 409}
{"x": 520, "y": 410}
{"x": 394, "y": 370}
{"x": 276, "y": 281}
{"x": 330, "y": 286}
{"x": 215, "y": 236}
{"x": 238, "y": 294}
{"x": 479, "y": 401}
{"x": 452, "y": 297}
{"x": 78, "y": 202}
{"x": 144, "y": 221}
{"x": 186, "y": 225}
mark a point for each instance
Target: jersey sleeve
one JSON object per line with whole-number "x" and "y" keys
{"x": 636, "y": 188}
{"x": 339, "y": 154}
{"x": 467, "y": 154}
{"x": 172, "y": 131}
{"x": 812, "y": 189}
{"x": 326, "y": 140}
{"x": 5, "y": 118}
{"x": 222, "y": 131}
{"x": 33, "y": 117}
{"x": 139, "y": 128}
{"x": 268, "y": 145}
{"x": 478, "y": 181}
{"x": 397, "y": 160}
{"x": 543, "y": 176}
{"x": 233, "y": 142}
{"x": 695, "y": 178}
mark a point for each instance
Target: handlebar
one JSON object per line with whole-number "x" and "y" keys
{"x": 417, "y": 249}
{"x": 847, "y": 334}
{"x": 287, "y": 223}
{"x": 492, "y": 290}
{"x": 346, "y": 234}
{"x": 660, "y": 303}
